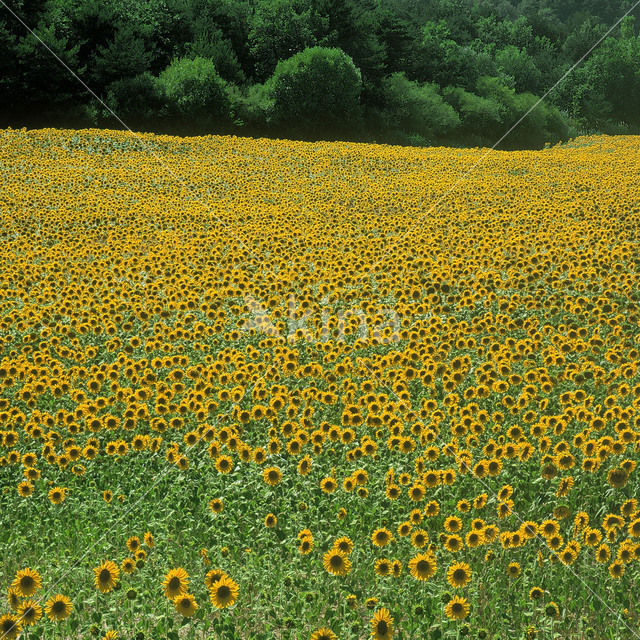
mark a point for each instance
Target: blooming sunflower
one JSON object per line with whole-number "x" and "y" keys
{"x": 382, "y": 625}
{"x": 133, "y": 544}
{"x": 457, "y": 608}
{"x": 270, "y": 521}
{"x": 128, "y": 565}
{"x": 224, "y": 593}
{"x": 9, "y": 627}
{"x": 272, "y": 476}
{"x": 383, "y": 567}
{"x": 423, "y": 566}
{"x": 459, "y": 574}
{"x": 344, "y": 544}
{"x": 305, "y": 546}
{"x": 336, "y": 562}
{"x": 213, "y": 576}
{"x": 175, "y": 583}
{"x": 13, "y": 596}
{"x": 149, "y": 540}
{"x": 26, "y": 582}
{"x": 381, "y": 537}
{"x": 57, "y": 495}
{"x": 29, "y": 612}
{"x": 25, "y": 489}
{"x": 185, "y": 604}
{"x": 513, "y": 569}
{"x": 58, "y": 608}
{"x": 323, "y": 634}
{"x": 107, "y": 576}
{"x": 216, "y": 505}
{"x": 536, "y": 593}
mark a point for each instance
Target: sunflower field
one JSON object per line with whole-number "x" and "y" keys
{"x": 256, "y": 389}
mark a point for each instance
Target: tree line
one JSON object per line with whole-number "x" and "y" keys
{"x": 421, "y": 72}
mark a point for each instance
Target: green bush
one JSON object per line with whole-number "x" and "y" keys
{"x": 316, "y": 92}
{"x": 195, "y": 95}
{"x": 413, "y": 109}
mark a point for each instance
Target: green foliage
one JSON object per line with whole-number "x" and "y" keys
{"x": 411, "y": 107}
{"x": 316, "y": 91}
{"x": 194, "y": 92}
{"x": 450, "y": 44}
{"x": 279, "y": 29}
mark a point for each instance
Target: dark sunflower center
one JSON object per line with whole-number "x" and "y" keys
{"x": 422, "y": 566}
{"x": 336, "y": 561}
{"x": 58, "y": 606}
{"x": 224, "y": 592}
{"x": 174, "y": 583}
{"x": 26, "y": 582}
{"x": 459, "y": 575}
{"x": 29, "y": 613}
{"x": 456, "y": 608}
{"x": 383, "y": 627}
{"x": 105, "y": 575}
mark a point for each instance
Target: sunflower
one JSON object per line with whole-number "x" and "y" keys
{"x": 381, "y": 537}
{"x": 617, "y": 478}
{"x": 616, "y": 569}
{"x": 128, "y": 565}
{"x": 382, "y": 567}
{"x": 453, "y": 524}
{"x": 453, "y": 543}
{"x": 328, "y": 485}
{"x": 110, "y": 635}
{"x": 25, "y": 489}
{"x": 57, "y": 495}
{"x": 224, "y": 464}
{"x": 215, "y": 505}
{"x": 457, "y": 608}
{"x": 149, "y": 540}
{"x": 175, "y": 583}
{"x": 536, "y": 593}
{"x": 213, "y": 576}
{"x": 423, "y": 566}
{"x": 13, "y": 596}
{"x": 305, "y": 546}
{"x": 58, "y": 608}
{"x": 419, "y": 538}
{"x": 133, "y": 544}
{"x": 224, "y": 593}
{"x": 107, "y": 496}
{"x": 396, "y": 568}
{"x": 270, "y": 521}
{"x": 107, "y": 576}
{"x": 336, "y": 562}
{"x": 551, "y": 610}
{"x": 513, "y": 570}
{"x": 344, "y": 544}
{"x": 26, "y": 582}
{"x": 9, "y": 627}
{"x": 185, "y": 604}
{"x": 29, "y": 612}
{"x": 382, "y": 625}
{"x": 272, "y": 476}
{"x": 432, "y": 509}
{"x": 459, "y": 574}
{"x": 323, "y": 634}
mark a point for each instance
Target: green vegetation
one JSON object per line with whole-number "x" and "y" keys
{"x": 407, "y": 71}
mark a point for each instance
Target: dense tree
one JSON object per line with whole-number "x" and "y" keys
{"x": 200, "y": 65}
{"x": 316, "y": 91}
